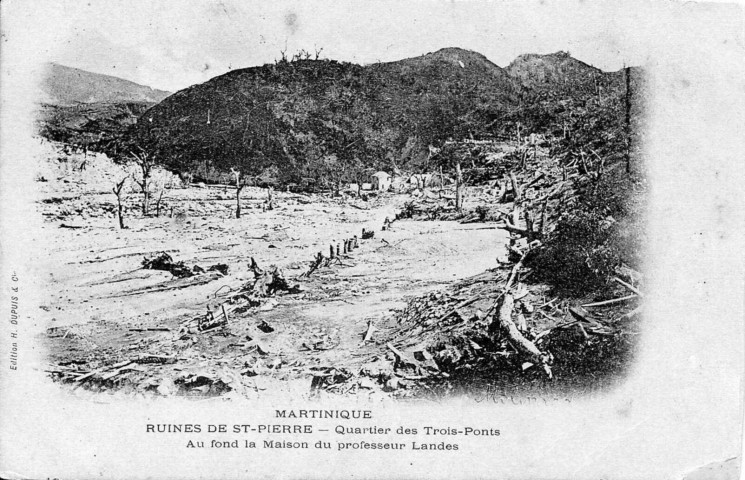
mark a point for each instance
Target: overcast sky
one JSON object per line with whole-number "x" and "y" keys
{"x": 171, "y": 45}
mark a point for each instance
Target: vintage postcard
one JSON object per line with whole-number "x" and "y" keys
{"x": 354, "y": 239}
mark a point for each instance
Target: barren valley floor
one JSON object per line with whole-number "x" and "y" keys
{"x": 101, "y": 303}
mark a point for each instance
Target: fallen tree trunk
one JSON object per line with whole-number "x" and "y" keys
{"x": 628, "y": 286}
{"x": 503, "y": 323}
{"x": 513, "y": 229}
{"x": 630, "y": 315}
{"x": 610, "y": 302}
{"x": 629, "y": 274}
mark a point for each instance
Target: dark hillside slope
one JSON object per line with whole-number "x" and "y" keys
{"x": 323, "y": 118}
{"x": 283, "y": 115}
{"x": 463, "y": 88}
{"x": 99, "y": 127}
{"x": 557, "y": 85}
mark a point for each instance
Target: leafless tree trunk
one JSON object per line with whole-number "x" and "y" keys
{"x": 146, "y": 164}
{"x": 238, "y": 187}
{"x": 458, "y": 188}
{"x": 523, "y": 158}
{"x": 628, "y": 119}
{"x": 442, "y": 183}
{"x": 118, "y": 191}
{"x": 542, "y": 231}
{"x": 145, "y": 203}
{"x": 518, "y": 198}
{"x": 157, "y": 203}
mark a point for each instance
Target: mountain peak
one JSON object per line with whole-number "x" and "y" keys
{"x": 458, "y": 56}
{"x": 454, "y": 61}
{"x": 447, "y": 51}
{"x": 534, "y": 69}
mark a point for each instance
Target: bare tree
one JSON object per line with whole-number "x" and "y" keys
{"x": 158, "y": 202}
{"x": 145, "y": 164}
{"x": 627, "y": 123}
{"x": 239, "y": 184}
{"x": 119, "y": 191}
{"x": 159, "y": 183}
{"x": 270, "y": 198}
{"x": 458, "y": 187}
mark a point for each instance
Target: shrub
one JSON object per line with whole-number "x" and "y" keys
{"x": 482, "y": 211}
{"x": 580, "y": 254}
{"x": 408, "y": 210}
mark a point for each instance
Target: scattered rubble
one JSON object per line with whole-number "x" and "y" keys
{"x": 164, "y": 262}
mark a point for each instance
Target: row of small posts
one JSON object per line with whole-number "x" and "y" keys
{"x": 347, "y": 247}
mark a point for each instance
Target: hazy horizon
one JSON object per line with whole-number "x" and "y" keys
{"x": 171, "y": 46}
{"x": 322, "y": 57}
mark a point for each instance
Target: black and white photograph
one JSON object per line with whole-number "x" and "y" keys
{"x": 416, "y": 239}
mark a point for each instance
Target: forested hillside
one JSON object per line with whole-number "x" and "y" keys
{"x": 330, "y": 120}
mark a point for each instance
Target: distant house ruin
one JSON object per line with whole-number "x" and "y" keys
{"x": 380, "y": 181}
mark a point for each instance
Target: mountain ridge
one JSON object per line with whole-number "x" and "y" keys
{"x": 62, "y": 85}
{"x": 314, "y": 117}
